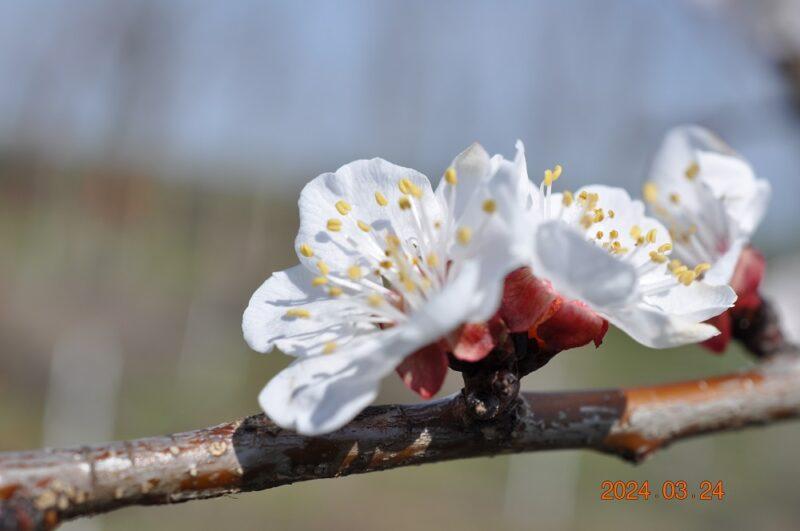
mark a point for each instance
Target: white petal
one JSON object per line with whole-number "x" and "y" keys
{"x": 723, "y": 268}
{"x": 472, "y": 169}
{"x": 320, "y": 394}
{"x": 356, "y": 183}
{"x": 699, "y": 301}
{"x": 266, "y": 326}
{"x": 579, "y": 269}
{"x": 655, "y": 329}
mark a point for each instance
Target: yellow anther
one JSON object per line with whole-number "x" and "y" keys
{"x": 614, "y": 234}
{"x": 381, "y": 199}
{"x": 701, "y": 268}
{"x": 611, "y": 214}
{"x": 674, "y": 264}
{"x": 464, "y": 235}
{"x": 432, "y": 260}
{"x": 343, "y": 207}
{"x": 567, "y": 198}
{"x": 636, "y": 232}
{"x": 323, "y": 267}
{"x": 586, "y": 221}
{"x": 319, "y": 281}
{"x": 354, "y": 272}
{"x": 675, "y": 198}
{"x": 692, "y": 171}
{"x": 409, "y": 285}
{"x": 374, "y": 300}
{"x": 663, "y": 248}
{"x": 363, "y": 226}
{"x": 386, "y": 264}
{"x": 335, "y": 291}
{"x": 437, "y": 225}
{"x": 680, "y": 270}
{"x": 334, "y": 225}
{"x": 404, "y": 202}
{"x": 583, "y": 195}
{"x": 650, "y": 192}
{"x": 450, "y": 176}
{"x": 616, "y": 245}
{"x": 329, "y": 347}
{"x": 557, "y": 172}
{"x": 299, "y": 313}
{"x": 640, "y": 241}
{"x": 657, "y": 257}
{"x": 599, "y": 215}
{"x": 619, "y": 250}
{"x": 393, "y": 241}
{"x": 409, "y": 188}
{"x": 306, "y": 250}
{"x": 599, "y": 235}
{"x": 687, "y": 277}
{"x": 651, "y": 236}
{"x": 489, "y": 206}
{"x": 548, "y": 177}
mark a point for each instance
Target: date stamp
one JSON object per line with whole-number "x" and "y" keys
{"x": 705, "y": 491}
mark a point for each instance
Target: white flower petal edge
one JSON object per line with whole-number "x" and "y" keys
{"x": 319, "y": 394}
{"x": 387, "y": 268}
{"x": 708, "y": 196}
{"x": 597, "y": 246}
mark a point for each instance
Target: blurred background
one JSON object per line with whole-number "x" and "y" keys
{"x": 151, "y": 155}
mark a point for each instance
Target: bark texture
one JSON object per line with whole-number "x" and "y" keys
{"x": 40, "y": 488}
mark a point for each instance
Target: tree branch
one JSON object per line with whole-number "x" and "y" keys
{"x": 39, "y": 489}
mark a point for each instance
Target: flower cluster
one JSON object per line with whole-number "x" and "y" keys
{"x": 397, "y": 276}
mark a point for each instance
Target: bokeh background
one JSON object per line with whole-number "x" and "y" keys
{"x": 151, "y": 154}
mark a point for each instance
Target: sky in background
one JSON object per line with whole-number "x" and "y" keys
{"x": 276, "y": 92}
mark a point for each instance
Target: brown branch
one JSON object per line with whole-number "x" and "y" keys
{"x": 39, "y": 489}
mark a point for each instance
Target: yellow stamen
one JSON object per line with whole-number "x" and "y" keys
{"x": 701, "y": 268}
{"x": 599, "y": 215}
{"x": 651, "y": 236}
{"x": 433, "y": 260}
{"x": 680, "y": 270}
{"x": 665, "y": 247}
{"x": 599, "y": 235}
{"x": 404, "y": 202}
{"x": 687, "y": 277}
{"x": 319, "y": 281}
{"x": 557, "y": 172}
{"x": 636, "y": 232}
{"x": 548, "y": 177}
{"x": 299, "y": 313}
{"x": 489, "y": 206}
{"x": 343, "y": 207}
{"x": 334, "y": 225}
{"x": 329, "y": 347}
{"x": 464, "y": 235}
{"x": 650, "y": 192}
{"x": 374, "y": 300}
{"x": 405, "y": 186}
{"x": 675, "y": 198}
{"x": 386, "y": 264}
{"x": 306, "y": 250}
{"x": 614, "y": 234}
{"x": 692, "y": 171}
{"x": 381, "y": 199}
{"x": 567, "y": 198}
{"x": 611, "y": 214}
{"x": 657, "y": 257}
{"x": 363, "y": 226}
{"x": 335, "y": 291}
{"x": 674, "y": 264}
{"x": 354, "y": 272}
{"x": 450, "y": 176}
{"x": 323, "y": 267}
